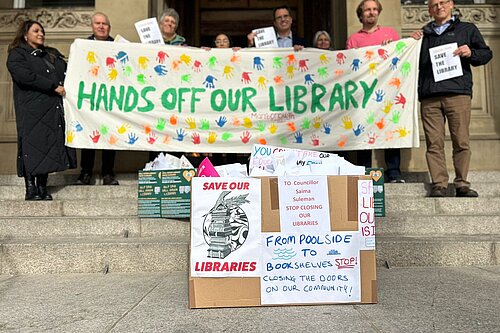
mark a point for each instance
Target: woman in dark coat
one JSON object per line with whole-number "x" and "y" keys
{"x": 38, "y": 75}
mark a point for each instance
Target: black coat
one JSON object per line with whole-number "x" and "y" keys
{"x": 36, "y": 73}
{"x": 461, "y": 33}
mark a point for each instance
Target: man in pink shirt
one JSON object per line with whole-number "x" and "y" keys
{"x": 371, "y": 34}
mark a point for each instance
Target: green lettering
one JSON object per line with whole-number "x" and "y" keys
{"x": 298, "y": 93}
{"x": 272, "y": 102}
{"x": 233, "y": 103}
{"x": 102, "y": 97}
{"x": 337, "y": 96}
{"x": 90, "y": 96}
{"x": 368, "y": 91}
{"x": 181, "y": 92}
{"x": 350, "y": 89}
{"x": 248, "y": 93}
{"x": 131, "y": 99}
{"x": 149, "y": 105}
{"x": 316, "y": 97}
{"x": 169, "y": 99}
{"x": 223, "y": 100}
{"x": 288, "y": 98}
{"x": 116, "y": 99}
{"x": 194, "y": 99}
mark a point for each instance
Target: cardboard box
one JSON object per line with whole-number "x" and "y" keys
{"x": 233, "y": 291}
{"x": 165, "y": 193}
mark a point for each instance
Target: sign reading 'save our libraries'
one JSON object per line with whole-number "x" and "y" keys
{"x": 166, "y": 98}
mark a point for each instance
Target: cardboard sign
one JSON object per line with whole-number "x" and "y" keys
{"x": 377, "y": 176}
{"x": 225, "y": 227}
{"x": 445, "y": 65}
{"x": 366, "y": 215}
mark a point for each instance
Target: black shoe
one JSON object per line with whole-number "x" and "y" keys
{"x": 43, "y": 193}
{"x": 31, "y": 189}
{"x": 437, "y": 192}
{"x": 109, "y": 180}
{"x": 397, "y": 181}
{"x": 466, "y": 192}
{"x": 84, "y": 179}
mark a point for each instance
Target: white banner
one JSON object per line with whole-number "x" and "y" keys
{"x": 167, "y": 98}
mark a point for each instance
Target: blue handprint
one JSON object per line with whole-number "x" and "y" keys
{"x": 327, "y": 128}
{"x": 298, "y": 137}
{"x": 209, "y": 81}
{"x": 257, "y": 63}
{"x": 221, "y": 121}
{"x": 355, "y": 64}
{"x": 308, "y": 79}
{"x": 132, "y": 138}
{"x": 161, "y": 70}
{"x": 180, "y": 134}
{"x": 122, "y": 57}
{"x": 78, "y": 127}
{"x": 359, "y": 129}
{"x": 379, "y": 95}
{"x": 394, "y": 63}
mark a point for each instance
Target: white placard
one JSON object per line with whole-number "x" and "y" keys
{"x": 149, "y": 31}
{"x": 445, "y": 65}
{"x": 266, "y": 37}
{"x": 309, "y": 268}
{"x": 366, "y": 214}
{"x": 225, "y": 227}
{"x": 303, "y": 203}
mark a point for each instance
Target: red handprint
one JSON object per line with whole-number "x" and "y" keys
{"x": 371, "y": 138}
{"x": 383, "y": 54}
{"x": 110, "y": 62}
{"x": 291, "y": 59}
{"x": 152, "y": 138}
{"x": 315, "y": 140}
{"x": 195, "y": 138}
{"x": 245, "y": 137}
{"x": 341, "y": 58}
{"x": 400, "y": 99}
{"x": 95, "y": 136}
{"x": 245, "y": 77}
{"x": 161, "y": 57}
{"x": 303, "y": 65}
{"x": 197, "y": 66}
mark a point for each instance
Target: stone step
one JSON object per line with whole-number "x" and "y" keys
{"x": 435, "y": 226}
{"x": 406, "y": 206}
{"x": 107, "y": 227}
{"x": 479, "y": 250}
{"x": 485, "y": 189}
{"x": 86, "y": 255}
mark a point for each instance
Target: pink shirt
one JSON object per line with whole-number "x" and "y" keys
{"x": 363, "y": 38}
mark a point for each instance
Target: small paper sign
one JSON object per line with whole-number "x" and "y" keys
{"x": 149, "y": 31}
{"x": 266, "y": 37}
{"x": 445, "y": 65}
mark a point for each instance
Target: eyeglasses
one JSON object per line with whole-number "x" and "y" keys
{"x": 440, "y": 4}
{"x": 282, "y": 18}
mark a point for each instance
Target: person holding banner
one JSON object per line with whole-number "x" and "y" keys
{"x": 445, "y": 92}
{"x": 101, "y": 28}
{"x": 169, "y": 21}
{"x": 322, "y": 40}
{"x": 371, "y": 33}
{"x": 283, "y": 27}
{"x": 38, "y": 74}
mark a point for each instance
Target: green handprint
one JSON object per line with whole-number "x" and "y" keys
{"x": 141, "y": 79}
{"x": 405, "y": 68}
{"x": 306, "y": 123}
{"x": 277, "y": 63}
{"x": 283, "y": 140}
{"x": 212, "y": 61}
{"x": 160, "y": 125}
{"x": 261, "y": 126}
{"x": 370, "y": 119}
{"x": 204, "y": 124}
{"x": 322, "y": 72}
{"x": 127, "y": 70}
{"x": 395, "y": 117}
{"x": 186, "y": 78}
{"x": 226, "y": 136}
{"x": 400, "y": 47}
{"x": 104, "y": 129}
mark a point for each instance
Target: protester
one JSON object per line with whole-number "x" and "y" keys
{"x": 169, "y": 22}
{"x": 38, "y": 75}
{"x": 101, "y": 28}
{"x": 283, "y": 26}
{"x": 322, "y": 40}
{"x": 448, "y": 100}
{"x": 371, "y": 33}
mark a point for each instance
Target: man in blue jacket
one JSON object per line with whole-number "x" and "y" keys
{"x": 448, "y": 100}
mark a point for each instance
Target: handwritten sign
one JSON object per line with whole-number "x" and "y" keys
{"x": 445, "y": 65}
{"x": 266, "y": 37}
{"x": 366, "y": 214}
{"x": 303, "y": 203}
{"x": 225, "y": 227}
{"x": 149, "y": 31}
{"x": 310, "y": 268}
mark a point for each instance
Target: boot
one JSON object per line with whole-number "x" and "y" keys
{"x": 41, "y": 182}
{"x": 31, "y": 190}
